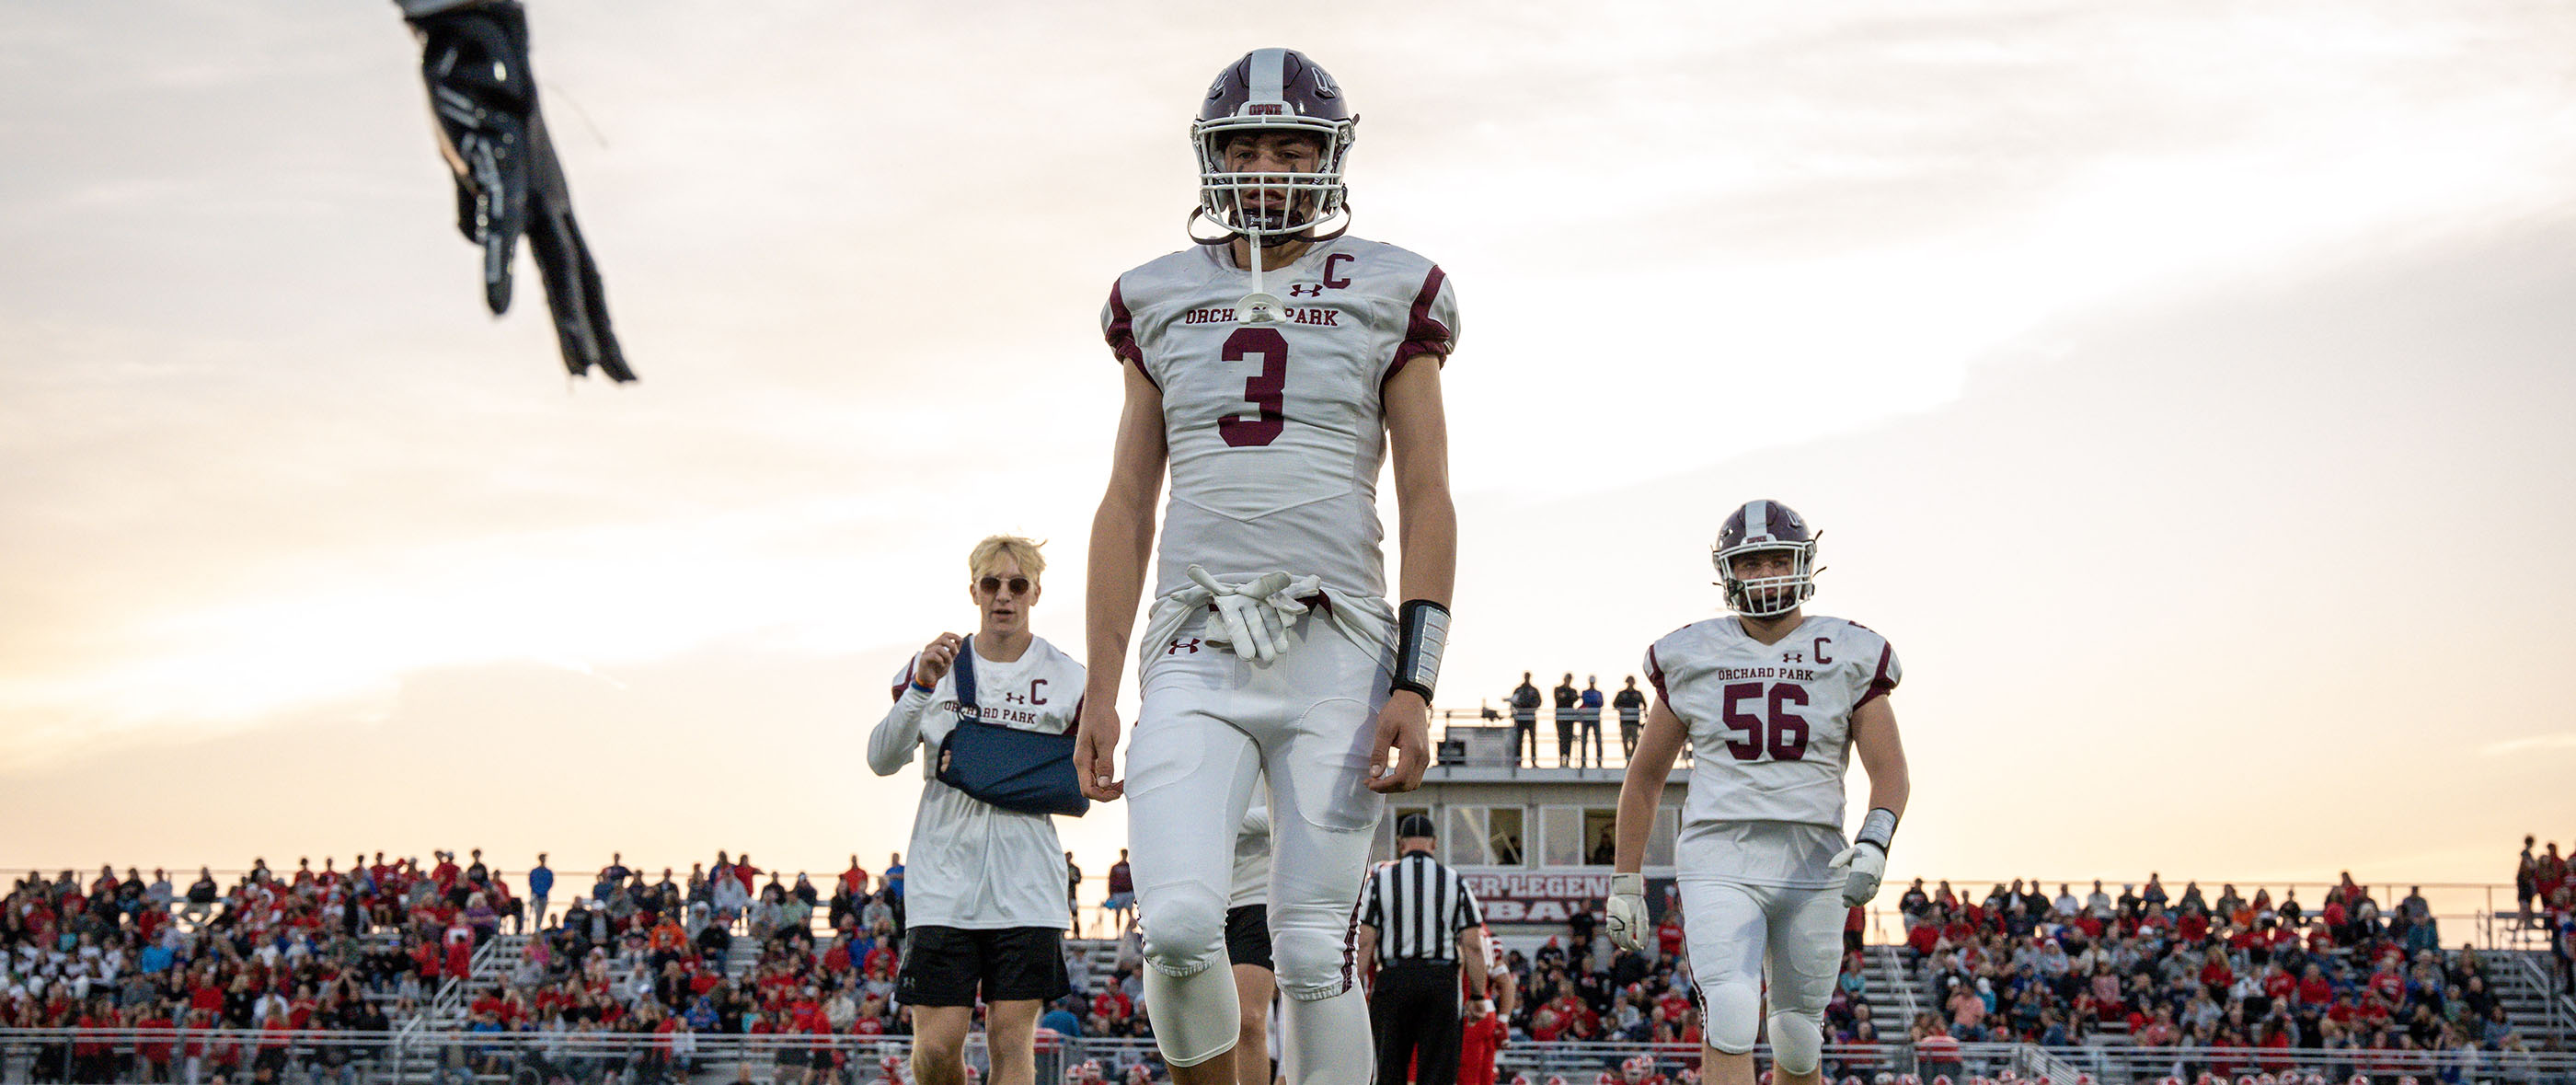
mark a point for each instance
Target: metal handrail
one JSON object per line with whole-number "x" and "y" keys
{"x": 2561, "y": 1008}
{"x": 1893, "y": 964}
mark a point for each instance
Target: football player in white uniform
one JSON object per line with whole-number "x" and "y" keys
{"x": 1773, "y": 702}
{"x": 1270, "y": 371}
{"x": 983, "y": 897}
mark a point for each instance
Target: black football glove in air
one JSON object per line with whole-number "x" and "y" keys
{"x": 474, "y": 58}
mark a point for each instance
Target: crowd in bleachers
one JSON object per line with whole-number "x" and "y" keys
{"x": 274, "y": 952}
{"x": 361, "y": 949}
{"x": 2278, "y": 979}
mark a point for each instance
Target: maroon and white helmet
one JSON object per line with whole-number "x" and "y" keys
{"x": 1765, "y": 526}
{"x": 1272, "y": 90}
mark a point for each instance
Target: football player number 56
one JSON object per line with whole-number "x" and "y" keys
{"x": 1267, "y": 390}
{"x": 1778, "y": 731}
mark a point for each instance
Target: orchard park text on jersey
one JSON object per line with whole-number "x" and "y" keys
{"x": 1327, "y": 318}
{"x": 1790, "y": 674}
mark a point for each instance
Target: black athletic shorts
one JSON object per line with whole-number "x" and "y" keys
{"x": 1247, "y": 935}
{"x": 943, "y": 966}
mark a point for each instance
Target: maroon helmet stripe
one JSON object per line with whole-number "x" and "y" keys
{"x": 1655, "y": 676}
{"x": 1424, "y": 334}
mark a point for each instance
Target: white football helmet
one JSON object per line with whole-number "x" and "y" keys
{"x": 1765, "y": 526}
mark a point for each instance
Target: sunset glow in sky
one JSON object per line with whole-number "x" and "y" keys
{"x": 2182, "y": 388}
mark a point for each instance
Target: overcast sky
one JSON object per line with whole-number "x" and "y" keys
{"x": 2183, "y": 388}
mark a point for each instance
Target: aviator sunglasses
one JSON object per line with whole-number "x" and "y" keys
{"x": 1019, "y": 584}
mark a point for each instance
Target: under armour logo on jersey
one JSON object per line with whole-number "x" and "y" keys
{"x": 1793, "y": 657}
{"x": 1191, "y": 644}
{"x": 1305, "y": 290}
{"x": 1014, "y": 698}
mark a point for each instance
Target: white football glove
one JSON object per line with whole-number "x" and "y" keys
{"x": 1252, "y": 617}
{"x": 1862, "y": 864}
{"x": 1627, "y": 912}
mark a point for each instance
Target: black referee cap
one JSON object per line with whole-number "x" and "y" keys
{"x": 1414, "y": 825}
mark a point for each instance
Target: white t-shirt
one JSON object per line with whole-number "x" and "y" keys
{"x": 975, "y": 865}
{"x": 1770, "y": 734}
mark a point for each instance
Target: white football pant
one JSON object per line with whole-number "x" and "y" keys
{"x": 1210, "y": 724}
{"x": 1742, "y": 935}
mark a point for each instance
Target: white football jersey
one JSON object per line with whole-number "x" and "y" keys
{"x": 1276, "y": 432}
{"x": 1770, "y": 735}
{"x": 972, "y": 864}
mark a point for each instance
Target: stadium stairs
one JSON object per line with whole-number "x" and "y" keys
{"x": 2523, "y": 981}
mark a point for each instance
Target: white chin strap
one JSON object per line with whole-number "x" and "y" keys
{"x": 1260, "y": 306}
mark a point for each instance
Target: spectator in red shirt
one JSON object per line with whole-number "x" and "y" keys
{"x": 2217, "y": 975}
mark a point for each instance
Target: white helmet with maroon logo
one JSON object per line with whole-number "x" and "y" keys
{"x": 1765, "y": 526}
{"x": 1272, "y": 90}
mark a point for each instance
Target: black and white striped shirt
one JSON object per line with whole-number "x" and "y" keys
{"x": 1418, "y": 907}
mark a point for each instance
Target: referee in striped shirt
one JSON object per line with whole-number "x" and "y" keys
{"x": 1420, "y": 923}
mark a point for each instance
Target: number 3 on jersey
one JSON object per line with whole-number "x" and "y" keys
{"x": 1779, "y": 731}
{"x": 1267, "y": 390}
